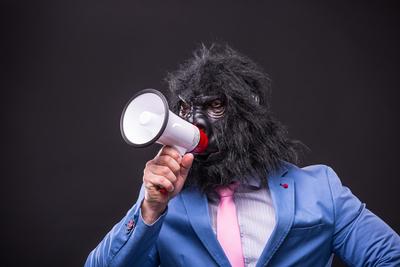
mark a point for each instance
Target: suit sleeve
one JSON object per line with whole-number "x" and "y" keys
{"x": 360, "y": 237}
{"x": 131, "y": 242}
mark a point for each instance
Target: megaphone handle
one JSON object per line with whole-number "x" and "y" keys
{"x": 180, "y": 149}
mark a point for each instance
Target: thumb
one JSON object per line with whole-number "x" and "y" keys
{"x": 186, "y": 163}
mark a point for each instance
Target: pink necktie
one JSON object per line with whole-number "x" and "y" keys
{"x": 228, "y": 233}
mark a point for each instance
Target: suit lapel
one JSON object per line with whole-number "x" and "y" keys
{"x": 282, "y": 192}
{"x": 196, "y": 206}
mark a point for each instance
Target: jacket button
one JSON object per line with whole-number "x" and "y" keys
{"x": 130, "y": 225}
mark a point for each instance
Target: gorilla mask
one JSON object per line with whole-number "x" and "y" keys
{"x": 225, "y": 94}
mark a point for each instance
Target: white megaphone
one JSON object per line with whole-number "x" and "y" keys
{"x": 147, "y": 119}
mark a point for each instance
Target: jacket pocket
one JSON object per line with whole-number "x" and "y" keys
{"x": 306, "y": 231}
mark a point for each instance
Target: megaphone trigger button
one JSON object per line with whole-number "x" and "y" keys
{"x": 163, "y": 191}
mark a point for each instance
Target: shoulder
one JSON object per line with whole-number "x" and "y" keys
{"x": 323, "y": 183}
{"x": 318, "y": 180}
{"x": 312, "y": 173}
{"x": 310, "y": 170}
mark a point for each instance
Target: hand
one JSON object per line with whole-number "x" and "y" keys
{"x": 168, "y": 172}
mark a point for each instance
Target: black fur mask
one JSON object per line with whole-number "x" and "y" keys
{"x": 247, "y": 140}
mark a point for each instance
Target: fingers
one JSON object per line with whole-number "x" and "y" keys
{"x": 172, "y": 152}
{"x": 155, "y": 182}
{"x": 170, "y": 158}
{"x": 163, "y": 170}
{"x": 169, "y": 162}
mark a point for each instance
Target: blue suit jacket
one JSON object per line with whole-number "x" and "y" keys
{"x": 316, "y": 216}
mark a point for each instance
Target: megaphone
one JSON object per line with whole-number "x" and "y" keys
{"x": 146, "y": 119}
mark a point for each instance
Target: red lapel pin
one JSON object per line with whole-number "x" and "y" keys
{"x": 284, "y": 185}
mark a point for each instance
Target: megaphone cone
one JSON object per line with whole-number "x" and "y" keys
{"x": 146, "y": 119}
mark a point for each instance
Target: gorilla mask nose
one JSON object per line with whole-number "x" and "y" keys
{"x": 200, "y": 119}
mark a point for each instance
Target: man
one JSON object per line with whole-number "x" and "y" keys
{"x": 279, "y": 214}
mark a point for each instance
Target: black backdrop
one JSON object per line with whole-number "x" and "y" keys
{"x": 70, "y": 66}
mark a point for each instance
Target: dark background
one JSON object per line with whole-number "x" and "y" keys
{"x": 69, "y": 67}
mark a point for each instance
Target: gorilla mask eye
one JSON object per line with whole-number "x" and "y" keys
{"x": 184, "y": 109}
{"x": 216, "y": 109}
{"x": 256, "y": 98}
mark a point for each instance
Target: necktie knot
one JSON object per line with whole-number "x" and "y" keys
{"x": 228, "y": 190}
